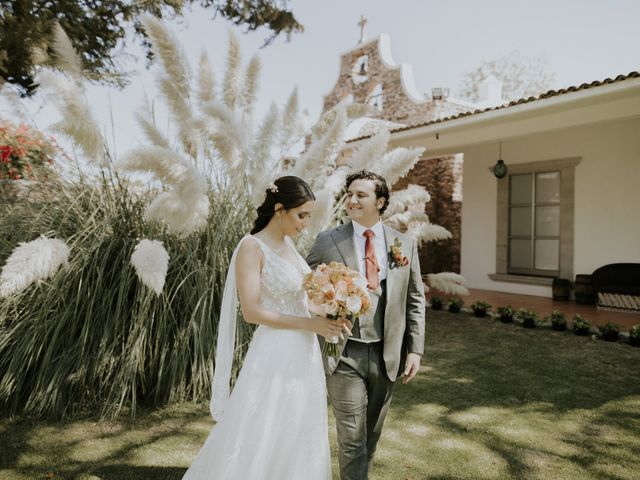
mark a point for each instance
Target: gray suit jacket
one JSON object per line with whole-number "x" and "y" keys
{"x": 405, "y": 308}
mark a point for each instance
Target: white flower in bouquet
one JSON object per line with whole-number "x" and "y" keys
{"x": 341, "y": 291}
{"x": 360, "y": 282}
{"x": 354, "y": 304}
{"x": 328, "y": 289}
{"x": 330, "y": 307}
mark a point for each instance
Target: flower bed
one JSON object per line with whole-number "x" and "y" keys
{"x": 25, "y": 153}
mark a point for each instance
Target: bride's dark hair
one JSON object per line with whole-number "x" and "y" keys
{"x": 290, "y": 191}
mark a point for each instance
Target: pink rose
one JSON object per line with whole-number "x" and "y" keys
{"x": 330, "y": 307}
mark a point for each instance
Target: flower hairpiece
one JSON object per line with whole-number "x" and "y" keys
{"x": 272, "y": 187}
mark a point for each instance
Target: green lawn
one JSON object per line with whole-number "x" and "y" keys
{"x": 491, "y": 401}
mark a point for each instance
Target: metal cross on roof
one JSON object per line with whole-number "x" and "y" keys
{"x": 362, "y": 24}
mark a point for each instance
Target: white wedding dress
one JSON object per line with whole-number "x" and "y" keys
{"x": 274, "y": 424}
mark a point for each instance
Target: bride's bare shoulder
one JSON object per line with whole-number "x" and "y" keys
{"x": 250, "y": 249}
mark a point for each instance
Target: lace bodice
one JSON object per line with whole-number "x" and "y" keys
{"x": 281, "y": 287}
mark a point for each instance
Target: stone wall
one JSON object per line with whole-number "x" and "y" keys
{"x": 440, "y": 177}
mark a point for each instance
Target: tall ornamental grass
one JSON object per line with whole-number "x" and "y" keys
{"x": 93, "y": 338}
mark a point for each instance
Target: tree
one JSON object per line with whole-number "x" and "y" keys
{"x": 96, "y": 28}
{"x": 522, "y": 76}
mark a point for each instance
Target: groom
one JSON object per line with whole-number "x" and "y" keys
{"x": 386, "y": 342}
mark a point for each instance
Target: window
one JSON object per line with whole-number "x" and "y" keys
{"x": 360, "y": 69}
{"x": 534, "y": 237}
{"x": 534, "y": 223}
{"x": 375, "y": 98}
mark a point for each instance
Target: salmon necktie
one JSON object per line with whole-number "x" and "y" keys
{"x": 370, "y": 261}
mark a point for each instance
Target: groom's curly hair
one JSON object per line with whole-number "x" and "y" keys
{"x": 382, "y": 189}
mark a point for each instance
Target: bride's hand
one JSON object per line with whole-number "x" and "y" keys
{"x": 326, "y": 327}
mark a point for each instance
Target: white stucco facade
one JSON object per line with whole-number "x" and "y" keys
{"x": 600, "y": 126}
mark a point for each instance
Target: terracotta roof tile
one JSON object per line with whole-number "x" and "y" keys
{"x": 520, "y": 101}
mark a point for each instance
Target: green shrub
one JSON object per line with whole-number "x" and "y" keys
{"x": 436, "y": 303}
{"x": 609, "y": 331}
{"x": 455, "y": 304}
{"x": 480, "y": 309}
{"x": 506, "y": 314}
{"x": 634, "y": 336}
{"x": 529, "y": 318}
{"x": 558, "y": 320}
{"x": 581, "y": 326}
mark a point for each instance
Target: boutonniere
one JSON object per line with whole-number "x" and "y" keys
{"x": 395, "y": 254}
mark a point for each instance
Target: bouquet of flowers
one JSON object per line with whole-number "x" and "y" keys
{"x": 342, "y": 294}
{"x": 22, "y": 150}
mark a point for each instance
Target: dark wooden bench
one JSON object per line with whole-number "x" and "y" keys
{"x": 617, "y": 286}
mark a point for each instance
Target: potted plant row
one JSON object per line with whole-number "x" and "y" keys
{"x": 480, "y": 309}
{"x": 455, "y": 304}
{"x": 529, "y": 318}
{"x": 557, "y": 320}
{"x": 506, "y": 314}
{"x": 609, "y": 331}
{"x": 436, "y": 303}
{"x": 581, "y": 326}
{"x": 634, "y": 336}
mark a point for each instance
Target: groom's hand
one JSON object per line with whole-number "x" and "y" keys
{"x": 411, "y": 367}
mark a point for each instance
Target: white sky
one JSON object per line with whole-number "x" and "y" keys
{"x": 585, "y": 40}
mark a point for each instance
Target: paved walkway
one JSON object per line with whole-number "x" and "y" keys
{"x": 544, "y": 306}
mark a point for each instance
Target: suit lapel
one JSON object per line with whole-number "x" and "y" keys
{"x": 392, "y": 275}
{"x": 343, "y": 239}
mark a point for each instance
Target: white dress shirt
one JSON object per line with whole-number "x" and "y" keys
{"x": 378, "y": 243}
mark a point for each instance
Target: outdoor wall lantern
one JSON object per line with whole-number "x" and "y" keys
{"x": 500, "y": 168}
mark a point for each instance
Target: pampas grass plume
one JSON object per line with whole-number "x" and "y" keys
{"x": 227, "y": 131}
{"x": 181, "y": 217}
{"x": 206, "y": 80}
{"x": 397, "y": 163}
{"x": 32, "y": 262}
{"x": 261, "y": 164}
{"x": 336, "y": 181}
{"x": 321, "y": 213}
{"x": 448, "y": 282}
{"x": 370, "y": 152}
{"x": 401, "y": 200}
{"x": 251, "y": 84}
{"x": 66, "y": 57}
{"x": 290, "y": 118}
{"x": 314, "y": 163}
{"x": 428, "y": 232}
{"x": 77, "y": 119}
{"x": 151, "y": 131}
{"x": 151, "y": 260}
{"x": 165, "y": 164}
{"x": 166, "y": 46}
{"x": 232, "y": 82}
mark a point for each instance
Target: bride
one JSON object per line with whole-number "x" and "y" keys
{"x": 273, "y": 425}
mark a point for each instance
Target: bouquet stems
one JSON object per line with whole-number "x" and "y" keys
{"x": 330, "y": 349}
